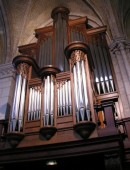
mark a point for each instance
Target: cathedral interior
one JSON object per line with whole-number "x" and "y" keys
{"x": 65, "y": 84}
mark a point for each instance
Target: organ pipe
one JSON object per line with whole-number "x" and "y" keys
{"x": 48, "y": 76}
{"x": 64, "y": 98}
{"x": 34, "y": 107}
{"x": 17, "y": 115}
{"x": 22, "y": 103}
{"x": 60, "y": 16}
{"x": 103, "y": 74}
{"x": 78, "y": 58}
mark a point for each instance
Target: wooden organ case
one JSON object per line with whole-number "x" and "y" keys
{"x": 64, "y": 84}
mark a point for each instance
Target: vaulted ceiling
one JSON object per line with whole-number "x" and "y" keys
{"x": 19, "y": 19}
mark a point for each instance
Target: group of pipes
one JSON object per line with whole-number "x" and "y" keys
{"x": 64, "y": 98}
{"x": 80, "y": 92}
{"x": 16, "y": 120}
{"x": 34, "y": 106}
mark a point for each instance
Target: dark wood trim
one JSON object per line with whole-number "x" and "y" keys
{"x": 96, "y": 30}
{"x": 28, "y": 47}
{"x": 74, "y": 22}
{"x": 60, "y": 9}
{"x": 59, "y": 150}
{"x": 25, "y": 59}
{"x": 41, "y": 31}
{"x": 48, "y": 69}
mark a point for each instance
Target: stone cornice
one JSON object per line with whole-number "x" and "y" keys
{"x": 119, "y": 44}
{"x": 6, "y": 70}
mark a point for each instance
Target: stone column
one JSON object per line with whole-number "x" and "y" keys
{"x": 121, "y": 62}
{"x": 7, "y": 83}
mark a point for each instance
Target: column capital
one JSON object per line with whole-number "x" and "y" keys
{"x": 119, "y": 44}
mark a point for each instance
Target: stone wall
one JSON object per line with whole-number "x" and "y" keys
{"x": 7, "y": 85}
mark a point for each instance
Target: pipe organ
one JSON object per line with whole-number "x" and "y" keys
{"x": 45, "y": 49}
{"x": 68, "y": 72}
{"x": 103, "y": 72}
{"x": 60, "y": 16}
{"x": 80, "y": 89}
{"x": 64, "y": 98}
{"x": 48, "y": 74}
{"x": 48, "y": 113}
{"x": 34, "y": 106}
{"x": 17, "y": 115}
{"x": 76, "y": 53}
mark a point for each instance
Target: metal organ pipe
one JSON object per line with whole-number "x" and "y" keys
{"x": 16, "y": 118}
{"x": 22, "y": 103}
{"x": 29, "y": 105}
{"x": 76, "y": 93}
{"x": 52, "y": 98}
{"x": 34, "y": 107}
{"x": 64, "y": 98}
{"x": 81, "y": 98}
{"x": 48, "y": 100}
{"x": 14, "y": 114}
{"x": 76, "y": 52}
{"x": 60, "y": 16}
{"x": 103, "y": 74}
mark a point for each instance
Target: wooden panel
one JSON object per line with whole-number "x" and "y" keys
{"x": 63, "y": 76}
{"x": 96, "y": 30}
{"x": 65, "y": 122}
{"x": 32, "y": 126}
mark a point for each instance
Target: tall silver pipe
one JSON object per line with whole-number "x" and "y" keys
{"x": 112, "y": 83}
{"x": 103, "y": 84}
{"x": 52, "y": 96}
{"x": 45, "y": 100}
{"x": 18, "y": 97}
{"x": 84, "y": 84}
{"x": 35, "y": 104}
{"x": 36, "y": 101}
{"x": 98, "y": 85}
{"x": 79, "y": 82}
{"x": 69, "y": 97}
{"x": 15, "y": 97}
{"x": 61, "y": 98}
{"x": 30, "y": 100}
{"x": 97, "y": 59}
{"x": 13, "y": 120}
{"x": 39, "y": 103}
{"x": 85, "y": 91}
{"x": 107, "y": 83}
{"x": 76, "y": 89}
{"x": 45, "y": 95}
{"x": 22, "y": 103}
{"x": 96, "y": 71}
{"x": 30, "y": 103}
{"x": 48, "y": 95}
{"x": 58, "y": 92}
{"x": 66, "y": 97}
{"x": 32, "y": 106}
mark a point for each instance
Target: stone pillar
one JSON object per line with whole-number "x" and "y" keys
{"x": 121, "y": 62}
{"x": 7, "y": 84}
